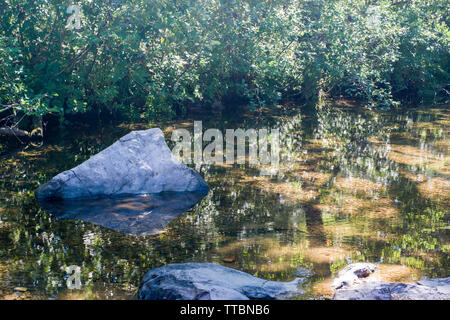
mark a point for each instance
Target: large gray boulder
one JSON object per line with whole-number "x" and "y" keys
{"x": 208, "y": 281}
{"x": 138, "y": 163}
{"x": 430, "y": 289}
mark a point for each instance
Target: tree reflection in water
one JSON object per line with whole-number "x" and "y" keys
{"x": 354, "y": 186}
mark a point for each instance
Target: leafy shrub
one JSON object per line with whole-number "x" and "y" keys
{"x": 153, "y": 59}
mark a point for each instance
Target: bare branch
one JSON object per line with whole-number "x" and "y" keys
{"x": 8, "y": 106}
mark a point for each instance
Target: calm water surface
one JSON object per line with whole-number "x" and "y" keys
{"x": 353, "y": 185}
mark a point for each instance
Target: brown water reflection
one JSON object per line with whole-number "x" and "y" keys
{"x": 354, "y": 185}
{"x": 144, "y": 215}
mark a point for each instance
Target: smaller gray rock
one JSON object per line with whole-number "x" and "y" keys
{"x": 209, "y": 281}
{"x": 431, "y": 289}
{"x": 352, "y": 274}
{"x": 442, "y": 285}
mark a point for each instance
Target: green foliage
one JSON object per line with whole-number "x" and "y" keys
{"x": 153, "y": 58}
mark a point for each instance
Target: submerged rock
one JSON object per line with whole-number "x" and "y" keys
{"x": 431, "y": 289}
{"x": 140, "y": 216}
{"x": 303, "y": 272}
{"x": 208, "y": 281}
{"x": 138, "y": 163}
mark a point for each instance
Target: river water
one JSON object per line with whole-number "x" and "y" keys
{"x": 352, "y": 185}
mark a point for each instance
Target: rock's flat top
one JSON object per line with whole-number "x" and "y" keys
{"x": 138, "y": 163}
{"x": 208, "y": 281}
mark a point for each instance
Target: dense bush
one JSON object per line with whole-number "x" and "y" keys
{"x": 152, "y": 58}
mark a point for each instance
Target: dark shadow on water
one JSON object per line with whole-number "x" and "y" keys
{"x": 314, "y": 226}
{"x": 138, "y": 215}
